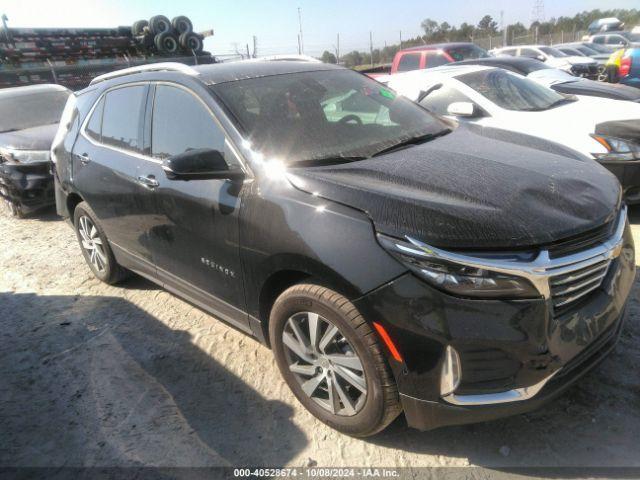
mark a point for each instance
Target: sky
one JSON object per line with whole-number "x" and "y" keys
{"x": 275, "y": 23}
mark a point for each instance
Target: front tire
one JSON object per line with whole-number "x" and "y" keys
{"x": 332, "y": 360}
{"x": 95, "y": 246}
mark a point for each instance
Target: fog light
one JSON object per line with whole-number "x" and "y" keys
{"x": 451, "y": 373}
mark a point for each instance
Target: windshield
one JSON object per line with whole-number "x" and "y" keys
{"x": 549, "y": 76}
{"x": 302, "y": 117}
{"x": 553, "y": 52}
{"x": 510, "y": 91}
{"x": 30, "y": 110}
{"x": 586, "y": 50}
{"x": 466, "y": 52}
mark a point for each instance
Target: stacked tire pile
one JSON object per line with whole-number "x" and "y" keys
{"x": 73, "y": 57}
{"x": 168, "y": 37}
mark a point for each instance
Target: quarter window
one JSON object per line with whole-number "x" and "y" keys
{"x": 122, "y": 120}
{"x": 180, "y": 123}
{"x": 94, "y": 127}
{"x": 438, "y": 100}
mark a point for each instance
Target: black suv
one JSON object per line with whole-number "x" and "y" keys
{"x": 393, "y": 262}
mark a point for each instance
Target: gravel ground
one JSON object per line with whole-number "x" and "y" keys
{"x": 94, "y": 375}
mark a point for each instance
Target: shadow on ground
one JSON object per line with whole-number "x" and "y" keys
{"x": 97, "y": 381}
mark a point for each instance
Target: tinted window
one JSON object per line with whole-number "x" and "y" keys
{"x": 616, "y": 40}
{"x": 409, "y": 61}
{"x": 529, "y": 52}
{"x": 122, "y": 120}
{"x": 94, "y": 126}
{"x": 181, "y": 122}
{"x": 20, "y": 111}
{"x": 512, "y": 92}
{"x": 322, "y": 114}
{"x": 435, "y": 60}
{"x": 552, "y": 52}
{"x": 598, "y": 40}
{"x": 466, "y": 52}
{"x": 439, "y": 100}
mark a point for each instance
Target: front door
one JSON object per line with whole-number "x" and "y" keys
{"x": 195, "y": 239}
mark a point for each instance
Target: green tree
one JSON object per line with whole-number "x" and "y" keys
{"x": 328, "y": 57}
{"x": 487, "y": 25}
{"x": 430, "y": 27}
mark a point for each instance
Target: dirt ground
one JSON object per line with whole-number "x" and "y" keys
{"x": 93, "y": 375}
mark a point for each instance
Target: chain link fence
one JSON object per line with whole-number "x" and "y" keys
{"x": 498, "y": 41}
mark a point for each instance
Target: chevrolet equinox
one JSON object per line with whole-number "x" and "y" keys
{"x": 394, "y": 261}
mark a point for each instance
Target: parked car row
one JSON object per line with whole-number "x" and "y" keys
{"x": 400, "y": 249}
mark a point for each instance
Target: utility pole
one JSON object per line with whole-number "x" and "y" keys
{"x": 400, "y": 39}
{"x": 248, "y": 54}
{"x": 338, "y": 48}
{"x": 504, "y": 29}
{"x": 371, "y": 46}
{"x": 255, "y": 47}
{"x": 301, "y": 46}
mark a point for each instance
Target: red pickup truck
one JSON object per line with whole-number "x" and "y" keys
{"x": 428, "y": 56}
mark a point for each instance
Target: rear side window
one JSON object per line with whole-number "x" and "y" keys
{"x": 409, "y": 61}
{"x": 122, "y": 119}
{"x": 598, "y": 40}
{"x": 435, "y": 60}
{"x": 181, "y": 122}
{"x": 94, "y": 127}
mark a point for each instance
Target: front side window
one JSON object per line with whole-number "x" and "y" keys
{"x": 439, "y": 99}
{"x": 512, "y": 92}
{"x": 311, "y": 116}
{"x": 616, "y": 40}
{"x": 409, "y": 61}
{"x": 123, "y": 117}
{"x": 181, "y": 122}
{"x": 599, "y": 40}
{"x": 19, "y": 112}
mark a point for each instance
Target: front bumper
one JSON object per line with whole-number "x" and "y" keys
{"x": 514, "y": 355}
{"x": 29, "y": 187}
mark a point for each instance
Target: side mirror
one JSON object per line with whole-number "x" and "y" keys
{"x": 199, "y": 164}
{"x": 462, "y": 109}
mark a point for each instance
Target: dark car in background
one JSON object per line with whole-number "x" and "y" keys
{"x": 29, "y": 119}
{"x": 393, "y": 261}
{"x": 557, "y": 79}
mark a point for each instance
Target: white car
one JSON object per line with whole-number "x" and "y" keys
{"x": 600, "y": 128}
{"x": 579, "y": 66}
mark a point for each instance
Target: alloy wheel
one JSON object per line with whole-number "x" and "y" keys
{"x": 324, "y": 363}
{"x": 92, "y": 243}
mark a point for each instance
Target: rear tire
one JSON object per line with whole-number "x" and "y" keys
{"x": 345, "y": 359}
{"x": 95, "y": 246}
{"x": 138, "y": 27}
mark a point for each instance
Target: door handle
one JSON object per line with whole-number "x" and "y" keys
{"x": 84, "y": 158}
{"x": 149, "y": 182}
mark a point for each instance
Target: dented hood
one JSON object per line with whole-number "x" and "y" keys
{"x": 466, "y": 190}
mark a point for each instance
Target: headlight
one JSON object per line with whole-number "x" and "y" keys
{"x": 458, "y": 278}
{"x": 24, "y": 156}
{"x": 617, "y": 148}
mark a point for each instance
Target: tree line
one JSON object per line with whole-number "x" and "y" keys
{"x": 487, "y": 27}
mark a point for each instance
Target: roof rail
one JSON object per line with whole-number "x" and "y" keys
{"x": 149, "y": 67}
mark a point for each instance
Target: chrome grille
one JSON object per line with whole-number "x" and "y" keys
{"x": 569, "y": 287}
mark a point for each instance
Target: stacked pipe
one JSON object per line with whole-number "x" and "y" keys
{"x": 72, "y": 57}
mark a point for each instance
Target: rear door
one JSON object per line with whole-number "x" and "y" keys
{"x": 195, "y": 241}
{"x": 106, "y": 161}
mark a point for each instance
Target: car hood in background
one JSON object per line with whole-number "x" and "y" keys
{"x": 35, "y": 138}
{"x": 613, "y": 91}
{"x": 466, "y": 190}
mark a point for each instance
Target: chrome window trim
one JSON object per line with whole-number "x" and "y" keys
{"x": 149, "y": 158}
{"x": 538, "y": 271}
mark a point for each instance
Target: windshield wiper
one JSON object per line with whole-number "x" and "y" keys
{"x": 412, "y": 141}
